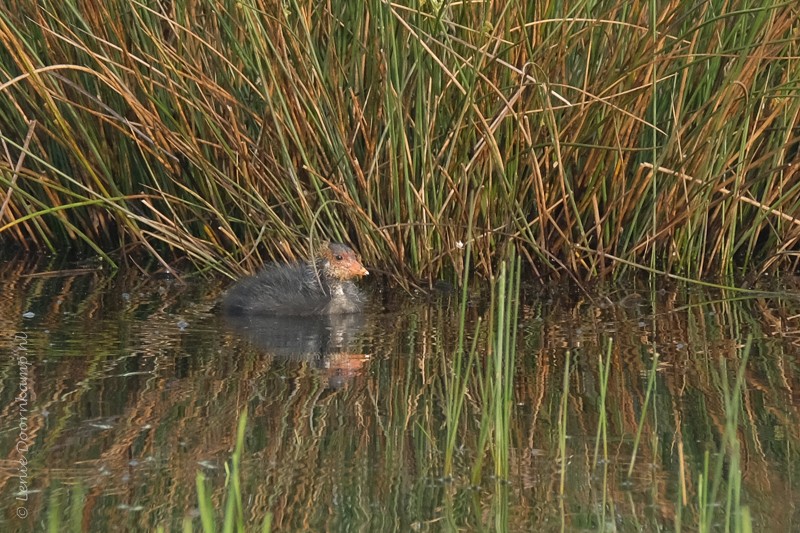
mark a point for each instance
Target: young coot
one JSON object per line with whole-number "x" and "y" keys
{"x": 323, "y": 286}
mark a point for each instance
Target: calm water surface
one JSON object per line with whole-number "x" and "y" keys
{"x": 118, "y": 389}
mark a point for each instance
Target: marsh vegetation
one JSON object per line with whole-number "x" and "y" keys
{"x": 593, "y": 137}
{"x": 494, "y": 148}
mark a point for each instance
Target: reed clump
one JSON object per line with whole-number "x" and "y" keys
{"x": 590, "y": 137}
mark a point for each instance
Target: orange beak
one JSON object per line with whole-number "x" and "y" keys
{"x": 359, "y": 270}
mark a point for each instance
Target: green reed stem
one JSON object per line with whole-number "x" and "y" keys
{"x": 456, "y": 381}
{"x": 233, "y": 515}
{"x": 507, "y": 306}
{"x": 602, "y": 428}
{"x": 651, "y": 384}
{"x": 562, "y": 425}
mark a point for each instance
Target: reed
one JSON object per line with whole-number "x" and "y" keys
{"x": 604, "y": 368}
{"x": 457, "y": 380}
{"x": 502, "y": 366}
{"x": 563, "y": 414}
{"x": 233, "y": 516}
{"x": 652, "y": 375}
{"x": 490, "y": 377}
{"x": 594, "y": 139}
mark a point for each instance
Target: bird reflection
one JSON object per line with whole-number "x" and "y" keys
{"x": 323, "y": 341}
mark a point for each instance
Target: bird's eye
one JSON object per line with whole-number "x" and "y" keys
{"x": 338, "y": 257}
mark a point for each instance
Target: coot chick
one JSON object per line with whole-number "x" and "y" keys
{"x": 320, "y": 287}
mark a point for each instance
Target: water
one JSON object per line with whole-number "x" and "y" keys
{"x": 121, "y": 388}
